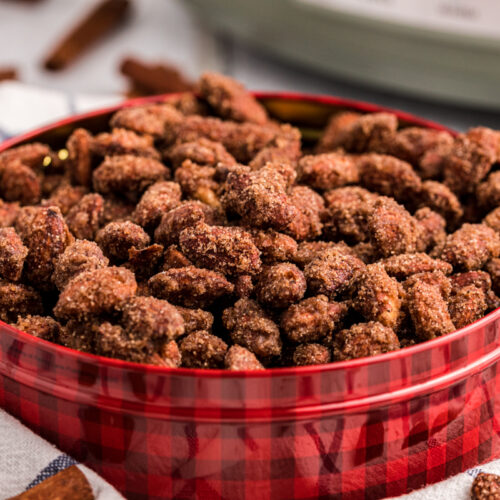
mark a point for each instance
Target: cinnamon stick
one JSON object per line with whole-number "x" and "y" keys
{"x": 8, "y": 74}
{"x": 106, "y": 17}
{"x": 69, "y": 484}
{"x": 151, "y": 79}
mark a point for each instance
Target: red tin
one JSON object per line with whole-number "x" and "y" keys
{"x": 366, "y": 428}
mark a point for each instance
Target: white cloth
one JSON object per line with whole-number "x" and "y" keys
{"x": 22, "y": 454}
{"x": 25, "y": 107}
{"x": 26, "y": 460}
{"x": 455, "y": 488}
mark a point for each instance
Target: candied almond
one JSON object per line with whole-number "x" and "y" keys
{"x": 169, "y": 356}
{"x": 367, "y": 132}
{"x": 348, "y": 210}
{"x": 149, "y": 119}
{"x": 419, "y": 146}
{"x": 333, "y": 272}
{"x": 186, "y": 215}
{"x": 238, "y": 358}
{"x": 364, "y": 339}
{"x": 471, "y": 246}
{"x": 12, "y": 254}
{"x": 8, "y": 213}
{"x": 428, "y": 310}
{"x": 80, "y": 156}
{"x": 65, "y": 197}
{"x": 280, "y": 285}
{"x": 157, "y": 200}
{"x": 335, "y": 129}
{"x": 228, "y": 250}
{"x": 196, "y": 319}
{"x": 309, "y": 250}
{"x": 187, "y": 103}
{"x": 378, "y": 296}
{"x": 203, "y": 152}
{"x": 284, "y": 149}
{"x": 190, "y": 286}
{"x": 274, "y": 246}
{"x": 493, "y": 268}
{"x": 466, "y": 305}
{"x": 327, "y": 171}
{"x": 148, "y": 317}
{"x": 32, "y": 155}
{"x": 43, "y": 327}
{"x": 121, "y": 141}
{"x": 95, "y": 292}
{"x": 85, "y": 218}
{"x": 144, "y": 262}
{"x": 431, "y": 229}
{"x": 441, "y": 199}
{"x": 250, "y": 327}
{"x": 230, "y": 99}
{"x": 312, "y": 319}
{"x": 203, "y": 350}
{"x": 309, "y": 205}
{"x": 493, "y": 219}
{"x": 392, "y": 229}
{"x": 80, "y": 256}
{"x": 46, "y": 238}
{"x": 114, "y": 341}
{"x": 116, "y": 209}
{"x": 117, "y": 238}
{"x": 388, "y": 176}
{"x": 193, "y": 177}
{"x": 403, "y": 265}
{"x": 469, "y": 161}
{"x": 479, "y": 279}
{"x": 311, "y": 354}
{"x": 173, "y": 257}
{"x": 128, "y": 175}
{"x": 488, "y": 192}
{"x": 18, "y": 182}
{"x": 18, "y": 300}
{"x": 485, "y": 487}
{"x": 244, "y": 286}
{"x": 259, "y": 198}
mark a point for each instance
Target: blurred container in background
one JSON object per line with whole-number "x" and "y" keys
{"x": 443, "y": 49}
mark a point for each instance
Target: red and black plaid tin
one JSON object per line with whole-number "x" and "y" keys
{"x": 367, "y": 428}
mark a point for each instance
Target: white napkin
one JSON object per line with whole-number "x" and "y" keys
{"x": 25, "y": 107}
{"x": 456, "y": 488}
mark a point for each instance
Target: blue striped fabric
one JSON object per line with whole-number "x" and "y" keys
{"x": 57, "y": 465}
